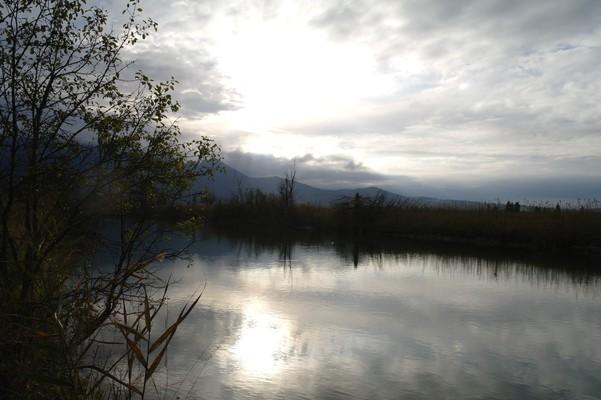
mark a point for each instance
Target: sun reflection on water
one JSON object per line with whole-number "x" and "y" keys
{"x": 261, "y": 343}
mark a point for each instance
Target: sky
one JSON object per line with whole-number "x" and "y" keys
{"x": 470, "y": 99}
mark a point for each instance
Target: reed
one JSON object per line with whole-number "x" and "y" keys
{"x": 531, "y": 227}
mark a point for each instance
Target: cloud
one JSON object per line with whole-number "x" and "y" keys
{"x": 445, "y": 92}
{"x": 325, "y": 172}
{"x": 200, "y": 90}
{"x": 339, "y": 172}
{"x": 180, "y": 49}
{"x": 310, "y": 169}
{"x": 511, "y": 79}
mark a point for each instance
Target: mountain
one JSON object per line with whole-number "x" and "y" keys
{"x": 231, "y": 182}
{"x": 227, "y": 184}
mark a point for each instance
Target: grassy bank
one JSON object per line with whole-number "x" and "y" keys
{"x": 493, "y": 226}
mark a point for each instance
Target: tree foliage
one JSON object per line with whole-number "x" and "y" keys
{"x": 81, "y": 136}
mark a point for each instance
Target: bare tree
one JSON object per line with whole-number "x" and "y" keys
{"x": 288, "y": 186}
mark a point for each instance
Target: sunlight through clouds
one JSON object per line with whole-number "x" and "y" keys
{"x": 288, "y": 73}
{"x": 430, "y": 90}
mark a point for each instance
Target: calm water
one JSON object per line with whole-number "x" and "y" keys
{"x": 335, "y": 320}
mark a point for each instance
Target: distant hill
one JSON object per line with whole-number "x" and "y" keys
{"x": 227, "y": 184}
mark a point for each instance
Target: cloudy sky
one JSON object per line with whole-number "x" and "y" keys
{"x": 478, "y": 99}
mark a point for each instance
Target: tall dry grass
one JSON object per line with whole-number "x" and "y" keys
{"x": 536, "y": 227}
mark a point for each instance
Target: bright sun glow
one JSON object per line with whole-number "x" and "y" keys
{"x": 262, "y": 339}
{"x": 284, "y": 70}
{"x": 289, "y": 74}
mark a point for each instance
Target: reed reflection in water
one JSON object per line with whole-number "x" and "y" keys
{"x": 344, "y": 319}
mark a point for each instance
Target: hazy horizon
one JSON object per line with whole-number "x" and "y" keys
{"x": 524, "y": 190}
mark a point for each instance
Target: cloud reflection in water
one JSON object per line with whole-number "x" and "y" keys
{"x": 412, "y": 324}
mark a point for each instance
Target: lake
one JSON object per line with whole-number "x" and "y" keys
{"x": 329, "y": 318}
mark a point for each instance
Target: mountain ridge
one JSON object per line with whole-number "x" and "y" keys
{"x": 232, "y": 182}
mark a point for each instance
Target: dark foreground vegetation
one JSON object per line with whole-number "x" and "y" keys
{"x": 82, "y": 135}
{"x": 490, "y": 225}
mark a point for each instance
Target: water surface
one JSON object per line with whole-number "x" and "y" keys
{"x": 331, "y": 319}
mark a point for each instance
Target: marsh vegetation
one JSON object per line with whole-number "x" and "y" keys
{"x": 540, "y": 227}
